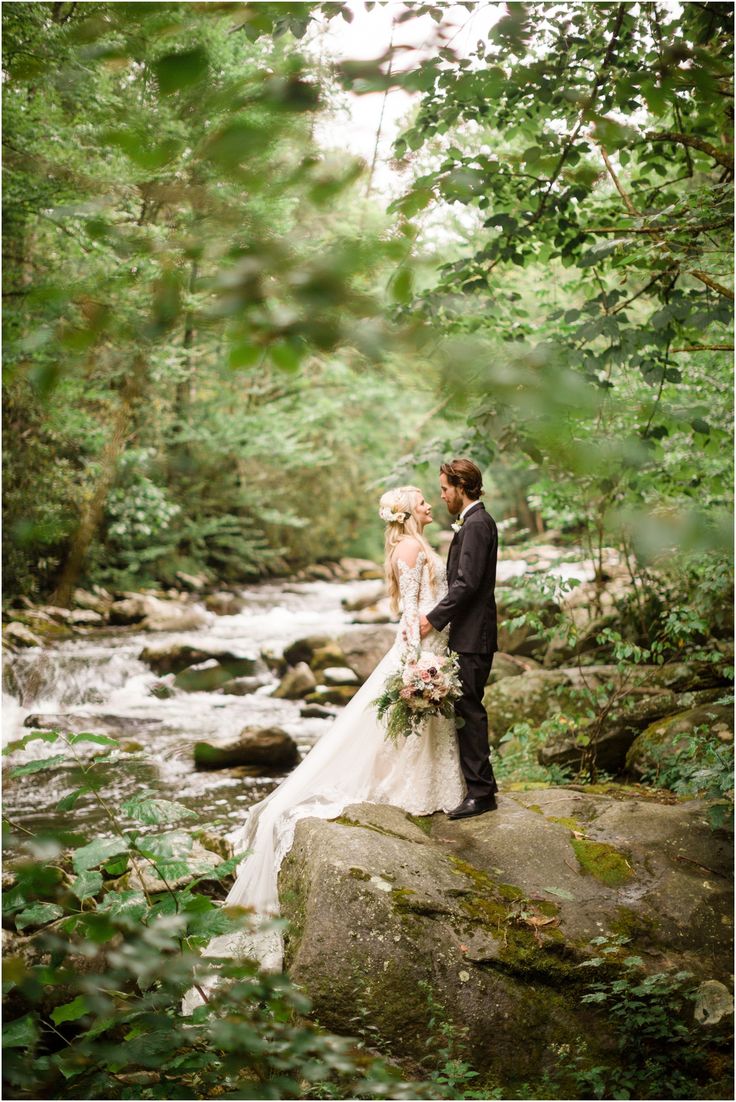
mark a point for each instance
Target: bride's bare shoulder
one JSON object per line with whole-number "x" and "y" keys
{"x": 407, "y": 551}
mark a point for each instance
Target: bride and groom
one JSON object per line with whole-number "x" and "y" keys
{"x": 446, "y": 767}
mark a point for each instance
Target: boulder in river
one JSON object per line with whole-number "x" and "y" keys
{"x": 317, "y": 711}
{"x": 267, "y": 747}
{"x": 20, "y": 635}
{"x": 72, "y": 723}
{"x": 328, "y": 656}
{"x": 224, "y": 604}
{"x": 367, "y": 600}
{"x": 244, "y": 686}
{"x": 493, "y": 915}
{"x": 83, "y": 616}
{"x": 301, "y": 650}
{"x": 339, "y": 675}
{"x": 296, "y": 683}
{"x": 332, "y": 694}
{"x": 166, "y": 658}
{"x": 94, "y": 602}
{"x": 364, "y": 648}
{"x": 202, "y": 678}
{"x": 174, "y": 616}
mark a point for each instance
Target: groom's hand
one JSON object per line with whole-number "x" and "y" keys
{"x": 424, "y": 626}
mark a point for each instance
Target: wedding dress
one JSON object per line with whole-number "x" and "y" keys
{"x": 352, "y": 763}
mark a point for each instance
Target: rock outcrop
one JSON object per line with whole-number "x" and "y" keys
{"x": 265, "y": 747}
{"x": 492, "y": 917}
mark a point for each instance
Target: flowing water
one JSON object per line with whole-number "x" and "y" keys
{"x": 100, "y": 683}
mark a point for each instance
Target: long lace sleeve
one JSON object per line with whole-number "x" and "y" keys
{"x": 409, "y": 585}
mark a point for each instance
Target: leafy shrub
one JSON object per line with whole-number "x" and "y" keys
{"x": 93, "y": 994}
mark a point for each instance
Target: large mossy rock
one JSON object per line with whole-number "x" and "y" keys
{"x": 493, "y": 915}
{"x": 656, "y": 748}
{"x": 364, "y": 647}
{"x": 609, "y": 742}
{"x": 541, "y": 694}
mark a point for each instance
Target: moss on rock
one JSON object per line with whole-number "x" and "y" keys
{"x": 603, "y": 861}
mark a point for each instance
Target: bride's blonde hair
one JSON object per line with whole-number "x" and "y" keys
{"x": 396, "y": 508}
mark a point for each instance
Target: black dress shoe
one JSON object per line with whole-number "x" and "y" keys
{"x": 473, "y": 805}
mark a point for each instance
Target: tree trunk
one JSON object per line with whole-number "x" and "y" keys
{"x": 93, "y": 508}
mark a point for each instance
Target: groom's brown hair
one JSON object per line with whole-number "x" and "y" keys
{"x": 465, "y": 474}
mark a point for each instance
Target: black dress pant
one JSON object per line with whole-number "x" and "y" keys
{"x": 472, "y": 736}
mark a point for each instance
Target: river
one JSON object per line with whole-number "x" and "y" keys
{"x": 100, "y": 684}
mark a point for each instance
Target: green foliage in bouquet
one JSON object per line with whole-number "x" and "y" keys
{"x": 409, "y": 697}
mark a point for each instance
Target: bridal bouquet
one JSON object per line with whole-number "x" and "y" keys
{"x": 425, "y": 686}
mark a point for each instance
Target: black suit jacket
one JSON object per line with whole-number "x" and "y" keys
{"x": 470, "y": 606}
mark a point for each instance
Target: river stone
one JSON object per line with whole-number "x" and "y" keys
{"x": 21, "y": 636}
{"x": 320, "y": 572}
{"x": 657, "y": 746}
{"x": 296, "y": 683}
{"x": 303, "y": 649}
{"x": 269, "y": 747}
{"x": 622, "y": 727}
{"x": 81, "y": 616}
{"x": 378, "y": 614}
{"x": 317, "y": 711}
{"x": 83, "y": 599}
{"x": 365, "y": 647}
{"x": 71, "y": 723}
{"x": 328, "y": 656}
{"x": 332, "y": 694}
{"x": 713, "y": 1001}
{"x": 244, "y": 686}
{"x": 202, "y": 678}
{"x": 224, "y": 604}
{"x": 495, "y": 912}
{"x": 354, "y": 569}
{"x": 339, "y": 675}
{"x": 357, "y": 604}
{"x": 173, "y": 616}
{"x": 166, "y": 658}
{"x": 131, "y": 610}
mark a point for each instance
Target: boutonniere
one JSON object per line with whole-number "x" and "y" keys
{"x": 457, "y": 525}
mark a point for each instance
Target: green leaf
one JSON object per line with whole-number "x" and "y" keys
{"x": 66, "y": 803}
{"x": 87, "y": 736}
{"x": 38, "y": 765}
{"x": 177, "y": 71}
{"x": 22, "y": 1033}
{"x": 38, "y": 915}
{"x": 147, "y": 809}
{"x": 97, "y": 852}
{"x": 86, "y": 885}
{"x": 35, "y": 736}
{"x": 71, "y": 1012}
{"x": 561, "y": 892}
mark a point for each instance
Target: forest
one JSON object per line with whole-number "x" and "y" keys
{"x": 225, "y": 337}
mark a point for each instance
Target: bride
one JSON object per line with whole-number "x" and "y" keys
{"x": 353, "y": 762}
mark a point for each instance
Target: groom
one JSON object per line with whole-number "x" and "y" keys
{"x": 470, "y": 610}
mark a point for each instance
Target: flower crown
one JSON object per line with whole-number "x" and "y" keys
{"x": 391, "y": 516}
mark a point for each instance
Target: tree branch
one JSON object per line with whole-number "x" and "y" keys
{"x": 705, "y": 348}
{"x": 689, "y": 140}
{"x": 710, "y": 282}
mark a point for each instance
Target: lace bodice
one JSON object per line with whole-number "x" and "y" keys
{"x": 419, "y": 594}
